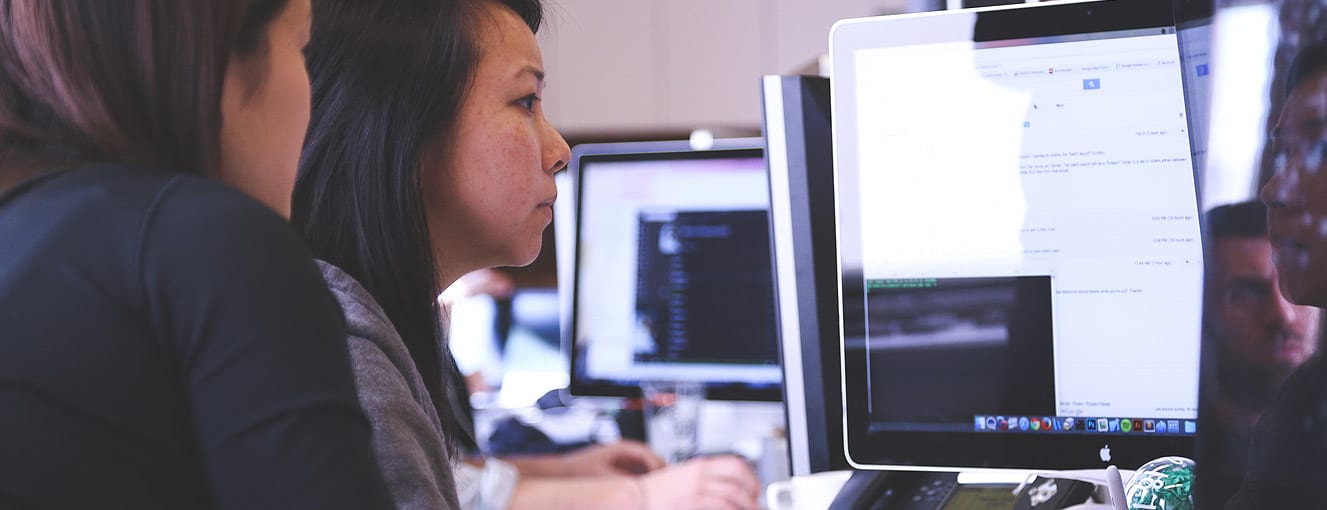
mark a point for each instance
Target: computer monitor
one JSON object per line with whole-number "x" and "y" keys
{"x": 1019, "y": 238}
{"x": 672, "y": 277}
{"x": 798, "y": 148}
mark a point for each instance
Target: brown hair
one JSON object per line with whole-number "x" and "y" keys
{"x": 133, "y": 81}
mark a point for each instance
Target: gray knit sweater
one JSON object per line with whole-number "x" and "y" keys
{"x": 407, "y": 436}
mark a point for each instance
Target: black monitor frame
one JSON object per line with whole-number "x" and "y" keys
{"x": 582, "y": 385}
{"x": 799, "y": 149}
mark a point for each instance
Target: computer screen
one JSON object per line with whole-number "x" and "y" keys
{"x": 799, "y": 151}
{"x": 1019, "y": 236}
{"x": 672, "y": 270}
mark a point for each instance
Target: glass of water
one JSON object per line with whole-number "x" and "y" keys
{"x": 672, "y": 410}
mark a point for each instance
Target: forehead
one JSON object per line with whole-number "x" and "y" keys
{"x": 1307, "y": 105}
{"x": 504, "y": 40}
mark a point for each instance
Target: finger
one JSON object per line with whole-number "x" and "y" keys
{"x": 749, "y": 487}
{"x": 725, "y": 496}
{"x": 718, "y": 504}
{"x": 734, "y": 471}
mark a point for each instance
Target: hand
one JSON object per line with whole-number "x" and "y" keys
{"x": 620, "y": 458}
{"x": 719, "y": 482}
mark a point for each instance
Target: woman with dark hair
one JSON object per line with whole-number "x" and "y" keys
{"x": 1287, "y": 456}
{"x": 428, "y": 157}
{"x": 166, "y": 341}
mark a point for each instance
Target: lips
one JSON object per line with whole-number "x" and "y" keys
{"x": 1285, "y": 234}
{"x": 549, "y": 203}
{"x": 546, "y": 207}
{"x": 1289, "y": 349}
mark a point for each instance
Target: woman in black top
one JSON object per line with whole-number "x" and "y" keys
{"x": 165, "y": 341}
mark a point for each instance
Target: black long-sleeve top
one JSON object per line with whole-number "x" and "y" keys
{"x": 166, "y": 342}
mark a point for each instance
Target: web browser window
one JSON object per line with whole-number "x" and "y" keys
{"x": 1037, "y": 197}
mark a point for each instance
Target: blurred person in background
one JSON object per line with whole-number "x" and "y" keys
{"x": 1260, "y": 336}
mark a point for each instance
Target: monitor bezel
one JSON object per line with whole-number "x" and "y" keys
{"x": 586, "y": 154}
{"x": 950, "y": 451}
{"x": 799, "y": 154}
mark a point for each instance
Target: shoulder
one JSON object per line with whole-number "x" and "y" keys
{"x": 197, "y": 230}
{"x": 190, "y": 206}
{"x": 157, "y": 201}
{"x": 371, "y": 336}
{"x": 141, "y": 222}
{"x": 103, "y": 187}
{"x": 92, "y": 196}
{"x": 365, "y": 318}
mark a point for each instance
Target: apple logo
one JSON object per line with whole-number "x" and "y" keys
{"x": 1105, "y": 453}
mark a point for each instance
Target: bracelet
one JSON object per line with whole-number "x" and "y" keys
{"x": 640, "y": 488}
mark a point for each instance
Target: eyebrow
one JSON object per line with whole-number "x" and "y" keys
{"x": 537, "y": 72}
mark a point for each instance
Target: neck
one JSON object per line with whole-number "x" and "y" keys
{"x": 448, "y": 274}
{"x": 449, "y": 265}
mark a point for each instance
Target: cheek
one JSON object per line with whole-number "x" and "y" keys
{"x": 1236, "y": 322}
{"x": 477, "y": 184}
{"x": 285, "y": 105}
{"x": 263, "y": 127}
{"x": 510, "y": 163}
{"x": 290, "y": 98}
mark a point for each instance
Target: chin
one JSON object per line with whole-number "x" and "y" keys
{"x": 523, "y": 257}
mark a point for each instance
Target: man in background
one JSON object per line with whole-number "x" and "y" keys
{"x": 1261, "y": 336}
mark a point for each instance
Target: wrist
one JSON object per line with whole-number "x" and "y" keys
{"x": 642, "y": 494}
{"x": 538, "y": 466}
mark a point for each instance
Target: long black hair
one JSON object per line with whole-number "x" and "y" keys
{"x": 388, "y": 78}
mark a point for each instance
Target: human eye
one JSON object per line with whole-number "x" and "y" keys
{"x": 1249, "y": 293}
{"x": 528, "y": 102}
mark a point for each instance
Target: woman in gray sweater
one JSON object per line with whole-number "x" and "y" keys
{"x": 428, "y": 157}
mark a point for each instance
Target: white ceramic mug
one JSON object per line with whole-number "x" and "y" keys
{"x": 815, "y": 491}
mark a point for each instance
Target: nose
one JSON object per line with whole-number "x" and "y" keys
{"x": 1281, "y": 193}
{"x": 556, "y": 152}
{"x": 1279, "y": 311}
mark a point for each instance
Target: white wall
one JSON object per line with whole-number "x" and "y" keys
{"x": 666, "y": 65}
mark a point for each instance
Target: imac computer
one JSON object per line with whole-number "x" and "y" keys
{"x": 798, "y": 148}
{"x": 671, "y": 276}
{"x": 1020, "y": 259}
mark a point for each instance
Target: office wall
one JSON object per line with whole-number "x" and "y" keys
{"x": 623, "y": 67}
